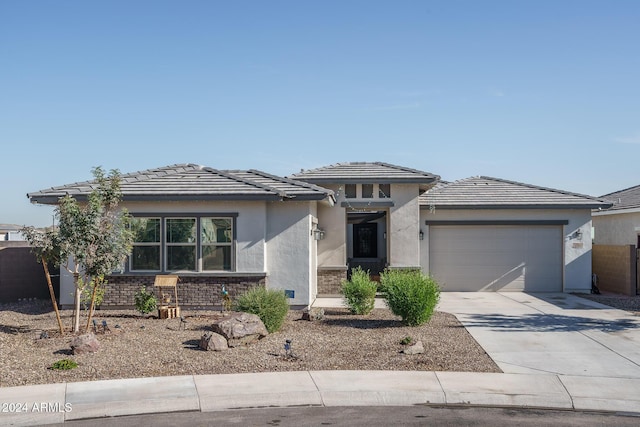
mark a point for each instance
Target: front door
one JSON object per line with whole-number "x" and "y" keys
{"x": 365, "y": 240}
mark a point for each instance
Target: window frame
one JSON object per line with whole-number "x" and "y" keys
{"x": 159, "y": 244}
{"x": 163, "y": 217}
{"x": 229, "y": 244}
{"x": 168, "y": 244}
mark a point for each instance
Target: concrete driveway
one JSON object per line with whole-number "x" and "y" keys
{"x": 549, "y": 333}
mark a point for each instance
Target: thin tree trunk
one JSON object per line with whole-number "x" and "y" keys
{"x": 76, "y": 304}
{"x": 96, "y": 283}
{"x": 53, "y": 294}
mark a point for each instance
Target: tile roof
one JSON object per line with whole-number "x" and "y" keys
{"x": 365, "y": 173}
{"x": 488, "y": 193}
{"x": 194, "y": 182}
{"x": 629, "y": 198}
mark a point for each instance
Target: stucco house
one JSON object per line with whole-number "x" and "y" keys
{"x": 617, "y": 239}
{"x": 305, "y": 232}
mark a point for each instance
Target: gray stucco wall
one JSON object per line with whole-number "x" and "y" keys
{"x": 616, "y": 229}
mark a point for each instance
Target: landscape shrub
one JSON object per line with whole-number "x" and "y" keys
{"x": 359, "y": 292}
{"x": 64, "y": 365}
{"x": 270, "y": 305}
{"x": 410, "y": 294}
{"x": 145, "y": 301}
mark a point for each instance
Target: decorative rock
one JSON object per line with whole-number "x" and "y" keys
{"x": 417, "y": 348}
{"x": 240, "y": 329}
{"x": 86, "y": 343}
{"x": 313, "y": 313}
{"x": 213, "y": 342}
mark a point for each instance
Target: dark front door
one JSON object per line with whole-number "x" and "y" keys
{"x": 365, "y": 240}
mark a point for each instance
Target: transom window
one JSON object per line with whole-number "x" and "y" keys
{"x": 183, "y": 243}
{"x": 367, "y": 191}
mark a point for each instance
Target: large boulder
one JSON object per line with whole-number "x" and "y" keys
{"x": 213, "y": 342}
{"x": 86, "y": 343}
{"x": 240, "y": 329}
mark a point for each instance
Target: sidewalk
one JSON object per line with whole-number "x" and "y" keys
{"x": 56, "y": 403}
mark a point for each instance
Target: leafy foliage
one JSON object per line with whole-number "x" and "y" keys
{"x": 410, "y": 294}
{"x": 270, "y": 305}
{"x": 97, "y": 284}
{"x": 359, "y": 292}
{"x": 94, "y": 237}
{"x": 145, "y": 301}
{"x": 45, "y": 244}
{"x": 64, "y": 365}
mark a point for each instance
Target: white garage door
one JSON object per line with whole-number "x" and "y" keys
{"x": 496, "y": 258}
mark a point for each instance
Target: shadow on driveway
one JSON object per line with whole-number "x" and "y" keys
{"x": 546, "y": 323}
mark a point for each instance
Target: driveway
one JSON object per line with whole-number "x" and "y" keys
{"x": 549, "y": 333}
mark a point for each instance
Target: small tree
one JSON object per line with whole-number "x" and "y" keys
{"x": 45, "y": 245}
{"x": 95, "y": 237}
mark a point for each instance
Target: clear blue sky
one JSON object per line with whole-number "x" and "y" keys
{"x": 543, "y": 92}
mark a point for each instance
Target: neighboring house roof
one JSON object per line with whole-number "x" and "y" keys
{"x": 629, "y": 198}
{"x": 492, "y": 193}
{"x": 194, "y": 182}
{"x": 365, "y": 173}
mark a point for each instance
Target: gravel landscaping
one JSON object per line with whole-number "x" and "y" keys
{"x": 144, "y": 346}
{"x": 621, "y": 302}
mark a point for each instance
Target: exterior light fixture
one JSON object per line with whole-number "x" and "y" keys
{"x": 318, "y": 234}
{"x": 421, "y": 235}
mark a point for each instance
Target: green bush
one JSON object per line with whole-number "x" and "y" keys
{"x": 359, "y": 292}
{"x": 270, "y": 305}
{"x": 410, "y": 294}
{"x": 145, "y": 301}
{"x": 64, "y": 365}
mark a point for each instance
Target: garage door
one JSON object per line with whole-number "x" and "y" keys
{"x": 496, "y": 258}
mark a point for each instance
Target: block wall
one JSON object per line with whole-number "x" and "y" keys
{"x": 615, "y": 267}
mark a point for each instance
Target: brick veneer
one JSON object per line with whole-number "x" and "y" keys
{"x": 193, "y": 291}
{"x": 330, "y": 280}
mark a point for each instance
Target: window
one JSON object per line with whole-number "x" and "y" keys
{"x": 384, "y": 191}
{"x": 367, "y": 191}
{"x": 217, "y": 236}
{"x": 350, "y": 191}
{"x": 145, "y": 255}
{"x": 185, "y": 243}
{"x": 181, "y": 243}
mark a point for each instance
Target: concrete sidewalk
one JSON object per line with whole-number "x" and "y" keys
{"x": 56, "y": 403}
{"x": 557, "y": 351}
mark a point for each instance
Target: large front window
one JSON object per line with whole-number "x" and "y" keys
{"x": 183, "y": 243}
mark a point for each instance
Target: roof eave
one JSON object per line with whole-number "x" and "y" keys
{"x": 425, "y": 205}
{"x": 352, "y": 180}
